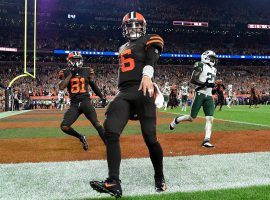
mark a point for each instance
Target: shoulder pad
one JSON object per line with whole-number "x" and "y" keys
{"x": 155, "y": 41}
{"x": 198, "y": 66}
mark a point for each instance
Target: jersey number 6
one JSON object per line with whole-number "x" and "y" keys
{"x": 127, "y": 64}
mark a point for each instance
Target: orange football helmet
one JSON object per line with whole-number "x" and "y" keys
{"x": 133, "y": 25}
{"x": 75, "y": 59}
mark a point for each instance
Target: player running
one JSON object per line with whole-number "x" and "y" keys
{"x": 203, "y": 76}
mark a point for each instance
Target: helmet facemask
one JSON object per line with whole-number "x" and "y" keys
{"x": 134, "y": 29}
{"x": 75, "y": 60}
{"x": 133, "y": 25}
{"x": 210, "y": 58}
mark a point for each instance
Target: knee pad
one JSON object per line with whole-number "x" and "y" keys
{"x": 65, "y": 128}
{"x": 111, "y": 137}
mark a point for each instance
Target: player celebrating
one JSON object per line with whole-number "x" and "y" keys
{"x": 184, "y": 93}
{"x": 203, "y": 76}
{"x": 230, "y": 95}
{"x": 166, "y": 94}
{"x": 220, "y": 94}
{"x": 137, "y": 59}
{"x": 77, "y": 79}
{"x": 61, "y": 99}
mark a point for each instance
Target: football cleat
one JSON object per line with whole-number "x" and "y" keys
{"x": 109, "y": 186}
{"x": 207, "y": 144}
{"x": 160, "y": 185}
{"x": 173, "y": 123}
{"x": 84, "y": 143}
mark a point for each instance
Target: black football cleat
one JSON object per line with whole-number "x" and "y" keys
{"x": 84, "y": 143}
{"x": 160, "y": 185}
{"x": 109, "y": 186}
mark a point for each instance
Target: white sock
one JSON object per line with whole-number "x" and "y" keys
{"x": 184, "y": 118}
{"x": 208, "y": 127}
{"x": 165, "y": 105}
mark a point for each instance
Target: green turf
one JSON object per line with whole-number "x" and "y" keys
{"x": 50, "y": 132}
{"x": 248, "y": 193}
{"x": 259, "y": 115}
{"x": 237, "y": 113}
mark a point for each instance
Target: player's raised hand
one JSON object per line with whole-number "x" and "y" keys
{"x": 147, "y": 85}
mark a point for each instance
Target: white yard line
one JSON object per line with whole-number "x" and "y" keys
{"x": 70, "y": 180}
{"x": 11, "y": 113}
{"x": 233, "y": 121}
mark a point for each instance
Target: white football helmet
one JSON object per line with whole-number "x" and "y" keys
{"x": 209, "y": 57}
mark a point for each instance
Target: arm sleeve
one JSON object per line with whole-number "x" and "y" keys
{"x": 96, "y": 89}
{"x": 152, "y": 56}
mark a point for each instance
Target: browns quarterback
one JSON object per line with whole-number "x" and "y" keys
{"x": 137, "y": 59}
{"x": 77, "y": 79}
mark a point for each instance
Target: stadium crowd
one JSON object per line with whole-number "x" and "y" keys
{"x": 94, "y": 28}
{"x": 46, "y": 83}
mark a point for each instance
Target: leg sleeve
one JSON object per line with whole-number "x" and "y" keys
{"x": 71, "y": 115}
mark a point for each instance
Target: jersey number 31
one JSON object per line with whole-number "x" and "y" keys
{"x": 77, "y": 85}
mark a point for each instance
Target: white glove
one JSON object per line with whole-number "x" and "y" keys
{"x": 159, "y": 100}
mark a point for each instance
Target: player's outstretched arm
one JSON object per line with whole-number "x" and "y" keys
{"x": 152, "y": 56}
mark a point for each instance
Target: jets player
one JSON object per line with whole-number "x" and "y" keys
{"x": 184, "y": 93}
{"x": 203, "y": 76}
{"x": 61, "y": 99}
{"x": 166, "y": 94}
{"x": 230, "y": 95}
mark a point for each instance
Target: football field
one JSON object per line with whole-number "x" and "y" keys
{"x": 38, "y": 161}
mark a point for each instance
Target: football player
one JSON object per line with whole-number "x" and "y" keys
{"x": 253, "y": 96}
{"x": 166, "y": 94}
{"x": 77, "y": 79}
{"x": 137, "y": 59}
{"x": 184, "y": 93}
{"x": 220, "y": 94}
{"x": 230, "y": 95}
{"x": 61, "y": 99}
{"x": 203, "y": 76}
{"x": 173, "y": 96}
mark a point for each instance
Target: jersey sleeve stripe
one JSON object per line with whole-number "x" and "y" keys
{"x": 156, "y": 37}
{"x": 155, "y": 41}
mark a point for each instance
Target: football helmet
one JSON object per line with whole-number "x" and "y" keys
{"x": 209, "y": 57}
{"x": 75, "y": 59}
{"x": 133, "y": 25}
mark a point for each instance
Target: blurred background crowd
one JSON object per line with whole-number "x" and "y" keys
{"x": 96, "y": 25}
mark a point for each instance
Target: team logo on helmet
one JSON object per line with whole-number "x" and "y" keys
{"x": 133, "y": 25}
{"x": 75, "y": 59}
{"x": 209, "y": 57}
